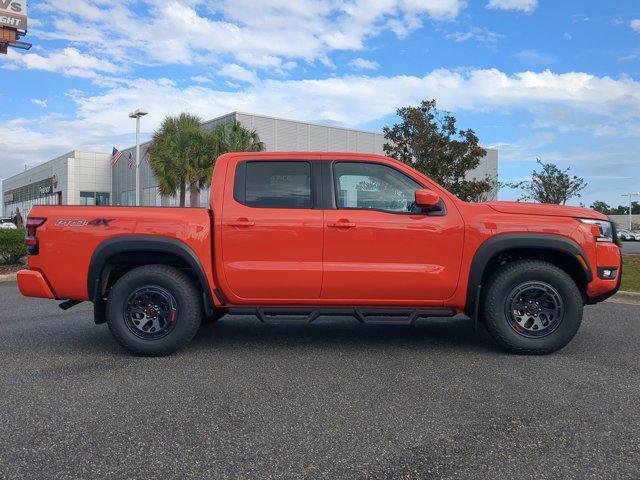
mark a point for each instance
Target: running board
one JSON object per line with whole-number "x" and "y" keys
{"x": 371, "y": 316}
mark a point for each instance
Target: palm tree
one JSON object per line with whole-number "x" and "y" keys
{"x": 204, "y": 149}
{"x": 234, "y": 137}
{"x": 174, "y": 145}
{"x": 184, "y": 154}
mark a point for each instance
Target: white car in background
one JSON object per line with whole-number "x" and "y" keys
{"x": 6, "y": 223}
{"x": 624, "y": 235}
{"x": 635, "y": 235}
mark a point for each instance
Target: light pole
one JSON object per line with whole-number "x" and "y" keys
{"x": 141, "y": 112}
{"x": 630, "y": 195}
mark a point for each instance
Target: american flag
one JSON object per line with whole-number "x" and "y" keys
{"x": 115, "y": 156}
{"x": 147, "y": 157}
{"x": 130, "y": 162}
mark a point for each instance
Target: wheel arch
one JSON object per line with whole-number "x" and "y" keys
{"x": 496, "y": 251}
{"x": 131, "y": 251}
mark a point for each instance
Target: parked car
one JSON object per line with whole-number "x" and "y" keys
{"x": 296, "y": 236}
{"x": 625, "y": 235}
{"x": 6, "y": 223}
{"x": 635, "y": 235}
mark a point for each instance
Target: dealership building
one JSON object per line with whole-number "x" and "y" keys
{"x": 87, "y": 178}
{"x": 75, "y": 178}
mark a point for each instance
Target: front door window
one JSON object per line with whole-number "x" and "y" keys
{"x": 369, "y": 186}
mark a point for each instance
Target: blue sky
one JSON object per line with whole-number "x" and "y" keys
{"x": 559, "y": 80}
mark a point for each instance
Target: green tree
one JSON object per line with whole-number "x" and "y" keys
{"x": 428, "y": 140}
{"x": 551, "y": 185}
{"x": 602, "y": 207}
{"x": 205, "y": 149}
{"x": 173, "y": 153}
{"x": 183, "y": 153}
{"x": 233, "y": 137}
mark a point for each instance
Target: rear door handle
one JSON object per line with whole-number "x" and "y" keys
{"x": 341, "y": 224}
{"x": 241, "y": 222}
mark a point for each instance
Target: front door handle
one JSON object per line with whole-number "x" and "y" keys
{"x": 341, "y": 224}
{"x": 241, "y": 222}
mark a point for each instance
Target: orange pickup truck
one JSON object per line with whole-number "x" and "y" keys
{"x": 296, "y": 236}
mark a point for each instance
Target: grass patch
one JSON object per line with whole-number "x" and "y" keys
{"x": 631, "y": 273}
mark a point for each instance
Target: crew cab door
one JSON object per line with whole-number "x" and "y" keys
{"x": 377, "y": 246}
{"x": 272, "y": 230}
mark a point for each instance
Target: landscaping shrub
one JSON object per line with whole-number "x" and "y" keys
{"x": 12, "y": 247}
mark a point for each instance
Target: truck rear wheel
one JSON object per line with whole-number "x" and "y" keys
{"x": 154, "y": 310}
{"x": 532, "y": 307}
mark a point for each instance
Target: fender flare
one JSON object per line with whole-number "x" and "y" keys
{"x": 510, "y": 241}
{"x": 142, "y": 243}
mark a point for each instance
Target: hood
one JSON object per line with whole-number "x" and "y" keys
{"x": 526, "y": 208}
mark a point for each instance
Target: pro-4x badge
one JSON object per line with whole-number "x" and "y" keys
{"x": 76, "y": 222}
{"x": 101, "y": 221}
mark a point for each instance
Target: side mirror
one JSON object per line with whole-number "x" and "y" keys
{"x": 428, "y": 200}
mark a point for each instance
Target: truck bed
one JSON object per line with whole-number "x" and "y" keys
{"x": 70, "y": 235}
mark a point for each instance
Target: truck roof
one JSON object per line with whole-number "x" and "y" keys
{"x": 305, "y": 155}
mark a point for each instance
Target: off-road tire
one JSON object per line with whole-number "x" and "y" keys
{"x": 188, "y": 312}
{"x": 495, "y": 314}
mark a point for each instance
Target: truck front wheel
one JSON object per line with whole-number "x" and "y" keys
{"x": 532, "y": 307}
{"x": 154, "y": 310}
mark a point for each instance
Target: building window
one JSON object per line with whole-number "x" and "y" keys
{"x": 128, "y": 198}
{"x": 87, "y": 198}
{"x": 103, "y": 198}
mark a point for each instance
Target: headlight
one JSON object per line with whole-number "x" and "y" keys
{"x": 606, "y": 231}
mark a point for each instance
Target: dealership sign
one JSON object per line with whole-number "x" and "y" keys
{"x": 13, "y": 13}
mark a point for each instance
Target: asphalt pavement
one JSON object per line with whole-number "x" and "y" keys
{"x": 629, "y": 248}
{"x": 334, "y": 399}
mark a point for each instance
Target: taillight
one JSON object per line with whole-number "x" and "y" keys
{"x": 30, "y": 239}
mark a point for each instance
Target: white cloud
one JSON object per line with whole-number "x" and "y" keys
{"x": 477, "y": 34}
{"x": 561, "y": 102}
{"x": 257, "y": 34}
{"x": 363, "y": 64}
{"x": 69, "y": 61}
{"x": 628, "y": 58}
{"x": 239, "y": 73}
{"x": 534, "y": 57}
{"x": 526, "y": 6}
{"x": 635, "y": 24}
{"x": 200, "y": 79}
{"x": 39, "y": 102}
{"x": 580, "y": 18}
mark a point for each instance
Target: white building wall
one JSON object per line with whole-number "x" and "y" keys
{"x": 88, "y": 172}
{"x": 74, "y": 172}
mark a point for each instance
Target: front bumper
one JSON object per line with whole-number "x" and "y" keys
{"x": 607, "y": 256}
{"x": 33, "y": 284}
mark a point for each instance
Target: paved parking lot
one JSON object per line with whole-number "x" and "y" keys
{"x": 631, "y": 248}
{"x": 330, "y": 400}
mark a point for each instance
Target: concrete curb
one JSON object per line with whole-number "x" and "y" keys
{"x": 631, "y": 298}
{"x": 9, "y": 277}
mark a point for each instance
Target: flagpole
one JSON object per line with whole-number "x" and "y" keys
{"x": 137, "y": 114}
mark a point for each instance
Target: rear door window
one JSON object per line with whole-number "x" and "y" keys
{"x": 274, "y": 184}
